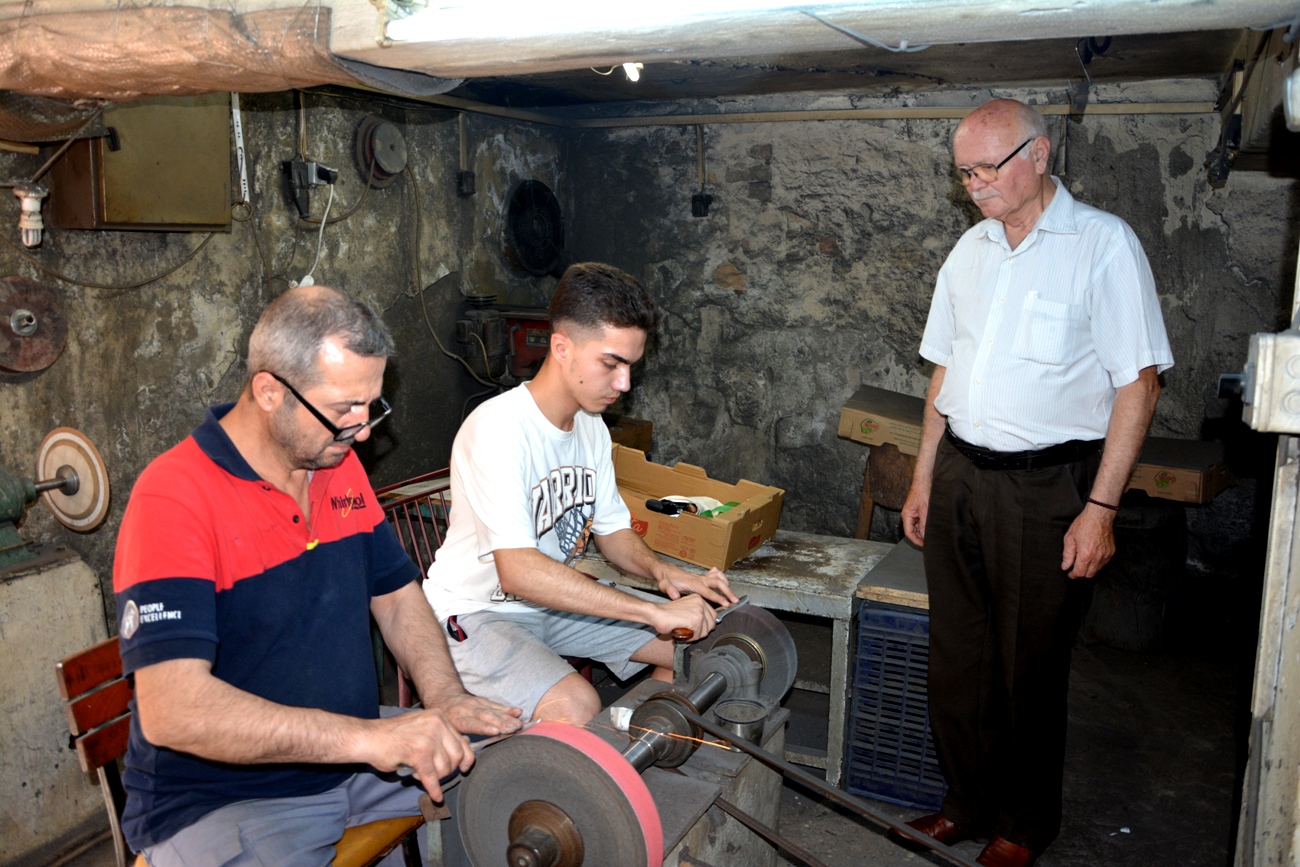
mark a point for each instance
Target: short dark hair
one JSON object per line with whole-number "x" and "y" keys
{"x": 289, "y": 334}
{"x": 593, "y": 296}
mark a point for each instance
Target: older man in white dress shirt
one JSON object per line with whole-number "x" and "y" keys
{"x": 1047, "y": 338}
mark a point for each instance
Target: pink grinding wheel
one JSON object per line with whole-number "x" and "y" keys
{"x": 576, "y": 772}
{"x": 625, "y": 776}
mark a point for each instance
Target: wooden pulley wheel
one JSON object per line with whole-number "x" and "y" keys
{"x": 65, "y": 451}
{"x": 32, "y": 327}
{"x": 558, "y": 795}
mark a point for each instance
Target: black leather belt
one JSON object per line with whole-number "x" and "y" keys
{"x": 1052, "y": 456}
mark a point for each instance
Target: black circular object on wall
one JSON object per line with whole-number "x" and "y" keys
{"x": 534, "y": 230}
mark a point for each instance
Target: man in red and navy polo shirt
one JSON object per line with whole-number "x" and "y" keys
{"x": 250, "y": 561}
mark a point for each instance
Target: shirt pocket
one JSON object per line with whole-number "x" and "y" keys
{"x": 1048, "y": 330}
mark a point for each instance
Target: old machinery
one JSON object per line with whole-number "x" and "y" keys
{"x": 32, "y": 328}
{"x": 73, "y": 483}
{"x": 512, "y": 340}
{"x": 557, "y": 795}
{"x": 562, "y": 796}
{"x": 381, "y": 151}
{"x": 483, "y": 336}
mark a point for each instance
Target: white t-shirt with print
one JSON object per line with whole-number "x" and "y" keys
{"x": 518, "y": 481}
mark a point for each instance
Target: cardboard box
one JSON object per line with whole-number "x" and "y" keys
{"x": 876, "y": 416}
{"x": 1190, "y": 471}
{"x": 635, "y": 433}
{"x": 718, "y": 541}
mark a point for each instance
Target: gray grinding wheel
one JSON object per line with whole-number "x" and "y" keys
{"x": 576, "y": 772}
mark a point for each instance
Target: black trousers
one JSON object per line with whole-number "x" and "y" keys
{"x": 1003, "y": 618}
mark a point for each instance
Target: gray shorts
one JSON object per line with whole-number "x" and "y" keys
{"x": 514, "y": 657}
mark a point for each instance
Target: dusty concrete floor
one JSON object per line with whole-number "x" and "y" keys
{"x": 1152, "y": 755}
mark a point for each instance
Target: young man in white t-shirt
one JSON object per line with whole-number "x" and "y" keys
{"x": 531, "y": 481}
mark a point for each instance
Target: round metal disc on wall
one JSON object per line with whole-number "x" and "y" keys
{"x": 764, "y": 639}
{"x": 86, "y": 509}
{"x": 32, "y": 327}
{"x": 585, "y": 779}
{"x": 381, "y": 151}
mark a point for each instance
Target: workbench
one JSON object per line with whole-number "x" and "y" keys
{"x": 801, "y": 573}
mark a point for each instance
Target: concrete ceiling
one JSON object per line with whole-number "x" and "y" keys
{"x": 870, "y": 71}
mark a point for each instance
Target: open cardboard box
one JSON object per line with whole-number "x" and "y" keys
{"x": 718, "y": 541}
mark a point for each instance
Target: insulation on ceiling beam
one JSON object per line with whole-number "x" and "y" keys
{"x": 81, "y": 49}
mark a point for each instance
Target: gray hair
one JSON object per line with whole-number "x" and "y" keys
{"x": 1032, "y": 124}
{"x": 288, "y": 337}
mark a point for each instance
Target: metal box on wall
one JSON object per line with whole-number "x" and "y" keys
{"x": 171, "y": 172}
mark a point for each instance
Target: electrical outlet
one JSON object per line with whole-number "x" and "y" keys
{"x": 1270, "y": 384}
{"x": 303, "y": 175}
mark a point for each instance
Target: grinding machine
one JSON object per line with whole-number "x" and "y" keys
{"x": 558, "y": 795}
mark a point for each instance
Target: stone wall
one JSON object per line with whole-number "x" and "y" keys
{"x": 141, "y": 364}
{"x": 814, "y": 271}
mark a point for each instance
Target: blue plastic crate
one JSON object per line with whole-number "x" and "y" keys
{"x": 889, "y": 754}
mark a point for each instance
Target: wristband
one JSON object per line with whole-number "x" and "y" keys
{"x": 1103, "y": 505}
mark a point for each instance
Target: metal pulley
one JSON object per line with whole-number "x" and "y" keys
{"x": 558, "y": 795}
{"x": 32, "y": 328}
{"x": 381, "y": 151}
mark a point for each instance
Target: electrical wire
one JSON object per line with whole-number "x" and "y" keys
{"x": 257, "y": 242}
{"x": 420, "y": 289}
{"x": 487, "y": 365}
{"x": 309, "y": 278}
{"x": 67, "y": 144}
{"x": 1292, "y": 29}
{"x": 464, "y": 407}
{"x": 903, "y": 47}
{"x": 111, "y": 287}
{"x": 370, "y": 179}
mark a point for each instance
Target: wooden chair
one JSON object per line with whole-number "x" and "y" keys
{"x": 885, "y": 483}
{"x": 97, "y": 703}
{"x": 418, "y": 509}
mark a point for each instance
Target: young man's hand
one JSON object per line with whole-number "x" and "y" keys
{"x": 712, "y": 585}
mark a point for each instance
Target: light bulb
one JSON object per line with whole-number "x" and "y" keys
{"x": 29, "y": 221}
{"x": 633, "y": 71}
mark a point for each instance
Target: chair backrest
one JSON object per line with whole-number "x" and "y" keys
{"x": 97, "y": 704}
{"x": 418, "y": 509}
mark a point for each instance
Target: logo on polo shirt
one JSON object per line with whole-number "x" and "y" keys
{"x": 130, "y": 620}
{"x": 133, "y": 616}
{"x": 347, "y": 503}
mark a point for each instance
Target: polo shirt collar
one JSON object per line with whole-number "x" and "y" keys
{"x": 212, "y": 438}
{"x": 1058, "y": 218}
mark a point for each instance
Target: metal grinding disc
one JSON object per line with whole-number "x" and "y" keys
{"x": 380, "y": 142}
{"x": 32, "y": 327}
{"x": 573, "y": 770}
{"x": 761, "y": 636}
{"x": 86, "y": 509}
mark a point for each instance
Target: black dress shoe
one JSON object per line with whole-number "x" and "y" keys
{"x": 936, "y": 827}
